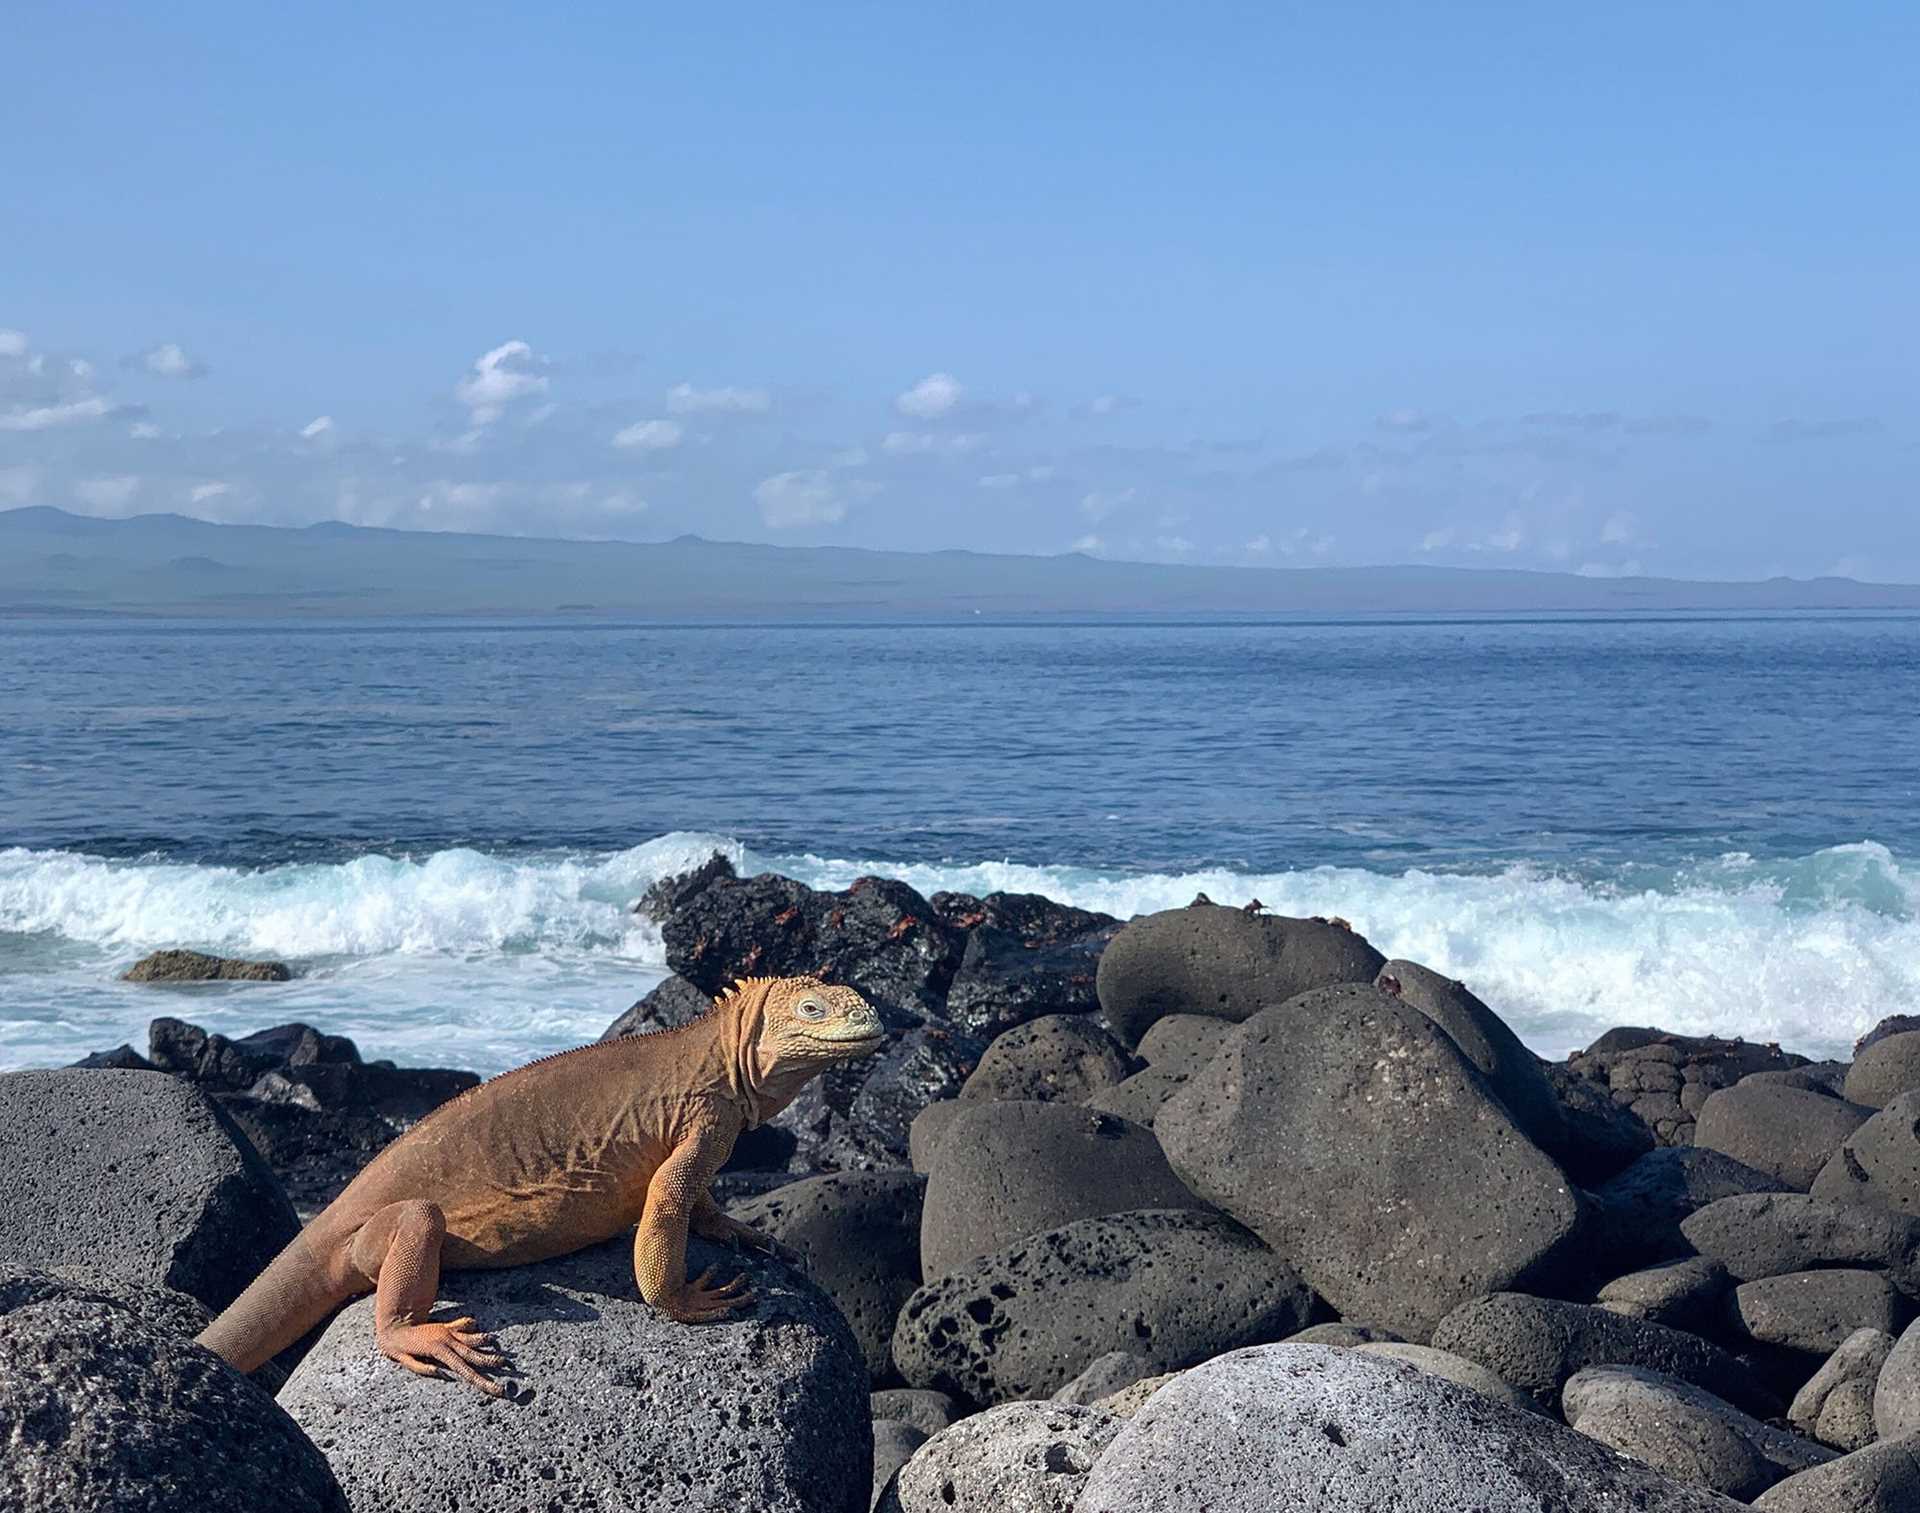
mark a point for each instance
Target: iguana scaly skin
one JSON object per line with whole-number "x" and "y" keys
{"x": 560, "y": 1154}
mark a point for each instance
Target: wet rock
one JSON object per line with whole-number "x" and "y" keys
{"x": 1301, "y": 1426}
{"x": 1689, "y": 1294}
{"x": 1811, "y": 1314}
{"x": 1007, "y": 1170}
{"x": 1536, "y": 1344}
{"x": 878, "y": 936}
{"x": 1836, "y": 1405}
{"x": 137, "y": 1173}
{"x": 1879, "y": 1163}
{"x": 1105, "y": 1375}
{"x": 1638, "y": 1213}
{"x": 1026, "y": 957}
{"x": 1603, "y": 1137}
{"x": 767, "y": 1410}
{"x": 1058, "y": 1058}
{"x": 1885, "y": 1070}
{"x": 1454, "y": 1368}
{"x": 1173, "y": 1286}
{"x": 1879, "y": 1479}
{"x": 102, "y": 1409}
{"x": 1684, "y": 1432}
{"x": 1512, "y": 1071}
{"x": 1772, "y": 1234}
{"x": 1283, "y": 1129}
{"x": 858, "y": 1234}
{"x": 929, "y": 1412}
{"x": 197, "y": 966}
{"x": 893, "y": 1445}
{"x": 669, "y": 1004}
{"x": 122, "y": 1058}
{"x": 1666, "y": 1079}
{"x": 1016, "y": 1458}
{"x": 1224, "y": 963}
{"x": 669, "y": 894}
{"x": 1786, "y": 1132}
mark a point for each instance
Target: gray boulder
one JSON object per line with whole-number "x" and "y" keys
{"x": 929, "y": 1412}
{"x": 1885, "y": 1070}
{"x": 1182, "y": 1042}
{"x": 1284, "y": 1130}
{"x": 893, "y": 1445}
{"x": 1006, "y": 1170}
{"x": 928, "y": 1129}
{"x": 197, "y": 966}
{"x": 1141, "y": 1096}
{"x": 1536, "y": 1344}
{"x": 1603, "y": 1137}
{"x": 1786, "y": 1132}
{"x": 1896, "y": 1392}
{"x": 1344, "y": 1335}
{"x": 1771, "y": 1234}
{"x": 139, "y": 1174}
{"x": 1174, "y": 1286}
{"x": 1056, "y": 1058}
{"x": 1016, "y": 1458}
{"x": 1829, "y": 1077}
{"x": 1666, "y": 1079}
{"x": 1335, "y": 1431}
{"x": 1106, "y": 1375}
{"x": 858, "y": 1234}
{"x": 1879, "y": 1163}
{"x": 1882, "y": 1478}
{"x": 1455, "y": 1368}
{"x": 1836, "y": 1405}
{"x": 1689, "y": 1294}
{"x": 1638, "y": 1212}
{"x": 101, "y": 1410}
{"x": 1812, "y": 1313}
{"x": 1209, "y": 959}
{"x": 1512, "y": 1071}
{"x": 617, "y": 1403}
{"x": 1684, "y": 1432}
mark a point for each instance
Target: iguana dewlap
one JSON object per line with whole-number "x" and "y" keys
{"x": 558, "y": 1155}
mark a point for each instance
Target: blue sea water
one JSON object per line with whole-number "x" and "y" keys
{"x": 1702, "y": 822}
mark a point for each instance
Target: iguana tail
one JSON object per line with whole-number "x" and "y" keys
{"x": 299, "y": 1288}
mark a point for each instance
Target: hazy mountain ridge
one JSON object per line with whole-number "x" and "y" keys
{"x": 53, "y": 562}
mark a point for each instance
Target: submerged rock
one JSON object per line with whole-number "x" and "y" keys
{"x": 197, "y": 966}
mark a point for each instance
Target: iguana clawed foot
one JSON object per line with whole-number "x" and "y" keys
{"x": 724, "y": 1230}
{"x": 454, "y": 1349}
{"x": 699, "y": 1303}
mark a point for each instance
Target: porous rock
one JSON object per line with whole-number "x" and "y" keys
{"x": 928, "y": 1129}
{"x": 1006, "y": 1170}
{"x": 666, "y": 895}
{"x": 137, "y": 1173}
{"x": 1016, "y": 1458}
{"x": 1302, "y": 1426}
{"x": 1896, "y": 1392}
{"x": 860, "y": 1116}
{"x": 1684, "y": 1432}
{"x": 1757, "y": 1235}
{"x": 1638, "y": 1212}
{"x": 1283, "y": 1129}
{"x": 1883, "y": 1478}
{"x": 1130, "y": 1399}
{"x": 1512, "y": 1071}
{"x": 1829, "y": 1077}
{"x": 1174, "y": 1049}
{"x": 1689, "y": 1294}
{"x": 1057, "y": 1058}
{"x": 670, "y": 1003}
{"x": 1665, "y": 1079}
{"x": 1787, "y": 1132}
{"x": 1603, "y": 1137}
{"x": 1812, "y": 1313}
{"x": 1536, "y": 1344}
{"x": 1227, "y": 963}
{"x": 927, "y": 1411}
{"x": 1836, "y": 1405}
{"x": 1893, "y": 1024}
{"x": 1879, "y": 1163}
{"x": 101, "y": 1409}
{"x": 1455, "y": 1368}
{"x": 1174, "y": 1286}
{"x": 893, "y": 1445}
{"x": 1885, "y": 1070}
{"x": 1025, "y": 957}
{"x": 1344, "y": 1335}
{"x": 858, "y": 1234}
{"x": 197, "y": 966}
{"x": 1104, "y": 1376}
{"x": 618, "y": 1403}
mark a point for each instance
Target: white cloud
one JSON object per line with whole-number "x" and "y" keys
{"x": 807, "y": 497}
{"x": 1260, "y": 546}
{"x": 109, "y": 494}
{"x": 685, "y": 399}
{"x": 200, "y": 493}
{"x": 145, "y": 430}
{"x": 1619, "y": 529}
{"x": 1437, "y": 540}
{"x": 317, "y": 427}
{"x": 170, "y": 360}
{"x": 46, "y": 417}
{"x": 1097, "y": 505}
{"x": 1088, "y": 544}
{"x": 499, "y": 377}
{"x": 13, "y": 343}
{"x": 934, "y": 396}
{"x": 650, "y": 435}
{"x": 911, "y": 443}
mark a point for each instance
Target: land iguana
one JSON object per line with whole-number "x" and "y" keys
{"x": 557, "y": 1155}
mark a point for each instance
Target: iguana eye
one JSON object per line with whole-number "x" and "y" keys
{"x": 812, "y": 1008}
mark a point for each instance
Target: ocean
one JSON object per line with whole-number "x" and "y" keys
{"x": 1711, "y": 824}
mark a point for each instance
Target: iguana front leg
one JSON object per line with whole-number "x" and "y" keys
{"x": 660, "y": 1244}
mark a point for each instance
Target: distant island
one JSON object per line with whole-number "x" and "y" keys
{"x": 56, "y": 563}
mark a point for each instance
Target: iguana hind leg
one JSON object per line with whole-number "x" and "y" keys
{"x": 398, "y": 1249}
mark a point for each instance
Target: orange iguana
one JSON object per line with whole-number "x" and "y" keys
{"x": 560, "y": 1154}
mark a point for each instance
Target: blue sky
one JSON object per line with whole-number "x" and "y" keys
{"x": 1619, "y": 289}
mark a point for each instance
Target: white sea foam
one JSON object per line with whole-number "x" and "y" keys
{"x": 512, "y": 955}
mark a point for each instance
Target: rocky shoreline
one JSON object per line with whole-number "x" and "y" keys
{"x": 1211, "y": 1208}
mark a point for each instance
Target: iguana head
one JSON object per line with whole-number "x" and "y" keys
{"x": 806, "y": 1022}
